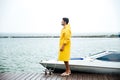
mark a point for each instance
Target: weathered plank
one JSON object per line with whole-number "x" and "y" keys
{"x": 10, "y": 76}
{"x": 22, "y": 75}
{"x": 15, "y": 76}
{"x": 36, "y": 76}
{"x": 30, "y": 77}
{"x": 6, "y": 75}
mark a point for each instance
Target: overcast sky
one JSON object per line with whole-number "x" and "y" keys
{"x": 44, "y": 16}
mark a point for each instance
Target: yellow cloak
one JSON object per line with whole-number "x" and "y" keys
{"x": 65, "y": 38}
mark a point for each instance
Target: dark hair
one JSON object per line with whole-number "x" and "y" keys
{"x": 66, "y": 20}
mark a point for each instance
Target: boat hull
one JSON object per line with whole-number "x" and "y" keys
{"x": 59, "y": 66}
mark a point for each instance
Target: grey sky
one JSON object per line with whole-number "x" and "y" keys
{"x": 44, "y": 16}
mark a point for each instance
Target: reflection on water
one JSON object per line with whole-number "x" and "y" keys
{"x": 24, "y": 54}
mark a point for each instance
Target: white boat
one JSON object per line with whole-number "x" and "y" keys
{"x": 103, "y": 62}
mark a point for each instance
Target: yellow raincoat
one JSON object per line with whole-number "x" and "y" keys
{"x": 65, "y": 39}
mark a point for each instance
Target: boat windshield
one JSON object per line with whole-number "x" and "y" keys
{"x": 114, "y": 56}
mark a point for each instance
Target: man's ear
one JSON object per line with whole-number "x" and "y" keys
{"x": 65, "y": 23}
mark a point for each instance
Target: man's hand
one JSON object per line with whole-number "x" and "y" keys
{"x": 62, "y": 48}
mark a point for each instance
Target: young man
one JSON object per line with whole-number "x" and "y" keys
{"x": 64, "y": 45}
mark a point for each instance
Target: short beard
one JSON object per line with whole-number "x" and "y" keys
{"x": 62, "y": 24}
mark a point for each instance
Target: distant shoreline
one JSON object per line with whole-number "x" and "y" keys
{"x": 89, "y": 36}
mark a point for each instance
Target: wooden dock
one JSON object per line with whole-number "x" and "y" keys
{"x": 56, "y": 76}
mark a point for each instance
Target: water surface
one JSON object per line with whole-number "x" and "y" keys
{"x": 24, "y": 54}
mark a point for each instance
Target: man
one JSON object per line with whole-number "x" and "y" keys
{"x": 64, "y": 45}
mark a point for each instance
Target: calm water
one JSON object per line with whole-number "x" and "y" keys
{"x": 24, "y": 54}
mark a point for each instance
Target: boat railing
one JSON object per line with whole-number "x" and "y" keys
{"x": 97, "y": 53}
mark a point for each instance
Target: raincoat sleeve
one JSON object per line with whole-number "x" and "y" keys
{"x": 67, "y": 36}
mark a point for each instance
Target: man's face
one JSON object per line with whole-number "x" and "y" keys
{"x": 63, "y": 23}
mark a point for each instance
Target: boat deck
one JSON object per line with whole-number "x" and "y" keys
{"x": 56, "y": 76}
